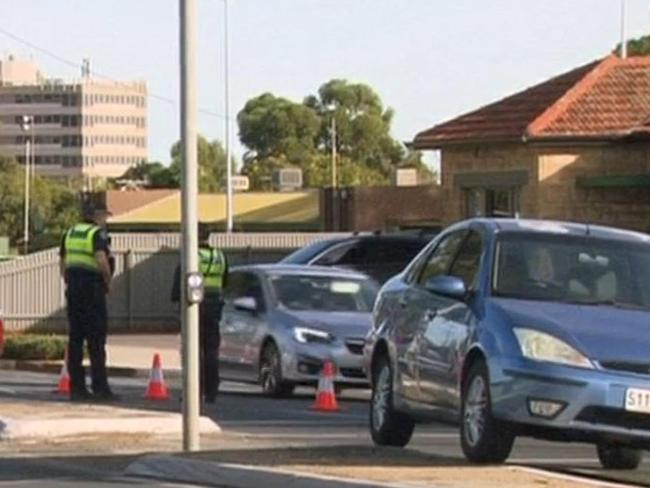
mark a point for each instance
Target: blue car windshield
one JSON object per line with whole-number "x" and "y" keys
{"x": 582, "y": 270}
{"x": 324, "y": 293}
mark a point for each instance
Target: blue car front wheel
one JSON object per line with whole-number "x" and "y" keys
{"x": 484, "y": 439}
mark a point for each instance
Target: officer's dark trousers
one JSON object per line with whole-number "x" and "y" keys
{"x": 210, "y": 316}
{"x": 88, "y": 322}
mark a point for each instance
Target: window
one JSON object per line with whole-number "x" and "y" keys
{"x": 575, "y": 269}
{"x": 468, "y": 262}
{"x": 440, "y": 260}
{"x": 323, "y": 293}
{"x": 244, "y": 285}
{"x": 492, "y": 202}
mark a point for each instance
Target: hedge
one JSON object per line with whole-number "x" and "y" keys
{"x": 34, "y": 347}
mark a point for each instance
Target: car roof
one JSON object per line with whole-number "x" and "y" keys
{"x": 498, "y": 225}
{"x": 300, "y": 269}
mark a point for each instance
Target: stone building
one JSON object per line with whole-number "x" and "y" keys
{"x": 576, "y": 147}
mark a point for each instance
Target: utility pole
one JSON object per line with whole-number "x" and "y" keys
{"x": 623, "y": 30}
{"x": 229, "y": 199}
{"x": 27, "y": 191}
{"x": 189, "y": 249}
{"x": 26, "y": 126}
{"x": 334, "y": 178}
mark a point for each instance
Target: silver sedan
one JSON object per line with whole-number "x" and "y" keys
{"x": 282, "y": 322}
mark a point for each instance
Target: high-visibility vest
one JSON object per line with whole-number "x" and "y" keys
{"x": 79, "y": 248}
{"x": 213, "y": 266}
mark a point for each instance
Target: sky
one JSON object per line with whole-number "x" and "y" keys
{"x": 429, "y": 60}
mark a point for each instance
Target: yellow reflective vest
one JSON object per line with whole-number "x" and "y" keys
{"x": 79, "y": 248}
{"x": 212, "y": 264}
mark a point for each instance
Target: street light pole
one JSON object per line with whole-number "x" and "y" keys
{"x": 189, "y": 248}
{"x": 27, "y": 190}
{"x": 26, "y": 125}
{"x": 334, "y": 177}
{"x": 623, "y": 30}
{"x": 229, "y": 199}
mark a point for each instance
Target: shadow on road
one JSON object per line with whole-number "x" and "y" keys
{"x": 75, "y": 467}
{"x": 336, "y": 455}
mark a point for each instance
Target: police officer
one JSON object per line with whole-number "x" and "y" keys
{"x": 214, "y": 268}
{"x": 86, "y": 270}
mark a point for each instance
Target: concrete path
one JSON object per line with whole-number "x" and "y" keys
{"x": 137, "y": 351}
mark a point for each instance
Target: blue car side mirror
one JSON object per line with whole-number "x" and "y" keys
{"x": 448, "y": 286}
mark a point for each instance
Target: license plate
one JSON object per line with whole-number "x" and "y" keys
{"x": 637, "y": 400}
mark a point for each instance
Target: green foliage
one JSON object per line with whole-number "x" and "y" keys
{"x": 53, "y": 207}
{"x": 636, "y": 47}
{"x": 34, "y": 347}
{"x": 212, "y": 165}
{"x": 212, "y": 168}
{"x": 280, "y": 133}
{"x": 154, "y": 174}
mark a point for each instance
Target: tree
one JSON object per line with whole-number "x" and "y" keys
{"x": 212, "y": 165}
{"x": 54, "y": 207}
{"x": 362, "y": 125}
{"x": 212, "y": 168}
{"x": 154, "y": 174}
{"x": 278, "y": 133}
{"x": 636, "y": 47}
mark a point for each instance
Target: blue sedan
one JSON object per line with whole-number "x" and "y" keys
{"x": 518, "y": 328}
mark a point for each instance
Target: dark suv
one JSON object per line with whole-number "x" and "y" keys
{"x": 380, "y": 256}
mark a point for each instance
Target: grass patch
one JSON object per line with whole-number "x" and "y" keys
{"x": 34, "y": 347}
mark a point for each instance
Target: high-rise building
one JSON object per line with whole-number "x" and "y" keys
{"x": 87, "y": 128}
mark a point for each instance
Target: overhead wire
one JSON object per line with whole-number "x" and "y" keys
{"x": 97, "y": 74}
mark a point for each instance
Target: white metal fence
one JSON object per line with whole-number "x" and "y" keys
{"x": 32, "y": 292}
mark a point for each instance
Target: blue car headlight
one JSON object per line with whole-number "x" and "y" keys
{"x": 307, "y": 334}
{"x": 540, "y": 346}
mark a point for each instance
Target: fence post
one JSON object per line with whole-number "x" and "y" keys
{"x": 128, "y": 266}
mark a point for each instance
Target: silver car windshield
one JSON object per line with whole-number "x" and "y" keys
{"x": 579, "y": 270}
{"x": 323, "y": 293}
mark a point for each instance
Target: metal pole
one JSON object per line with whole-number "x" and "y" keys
{"x": 623, "y": 30}
{"x": 27, "y": 188}
{"x": 229, "y": 199}
{"x": 189, "y": 249}
{"x": 334, "y": 177}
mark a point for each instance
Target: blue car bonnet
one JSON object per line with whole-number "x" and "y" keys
{"x": 602, "y": 333}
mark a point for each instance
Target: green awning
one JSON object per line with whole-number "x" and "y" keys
{"x": 614, "y": 181}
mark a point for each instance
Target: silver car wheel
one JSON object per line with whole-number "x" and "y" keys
{"x": 268, "y": 371}
{"x": 381, "y": 398}
{"x": 475, "y": 411}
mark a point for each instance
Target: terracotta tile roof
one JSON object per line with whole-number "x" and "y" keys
{"x": 606, "y": 98}
{"x": 617, "y": 103}
{"x": 120, "y": 202}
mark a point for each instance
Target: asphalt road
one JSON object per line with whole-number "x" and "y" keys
{"x": 241, "y": 410}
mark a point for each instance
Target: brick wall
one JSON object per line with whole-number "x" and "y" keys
{"x": 383, "y": 208}
{"x": 464, "y": 160}
{"x": 551, "y": 191}
{"x": 561, "y": 198}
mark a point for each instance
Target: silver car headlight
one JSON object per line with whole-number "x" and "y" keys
{"x": 541, "y": 346}
{"x": 307, "y": 334}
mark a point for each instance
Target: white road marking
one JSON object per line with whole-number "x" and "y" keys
{"x": 570, "y": 461}
{"x": 569, "y": 477}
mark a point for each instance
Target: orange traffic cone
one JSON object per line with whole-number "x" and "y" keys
{"x": 325, "y": 396}
{"x": 156, "y": 389}
{"x": 64, "y": 377}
